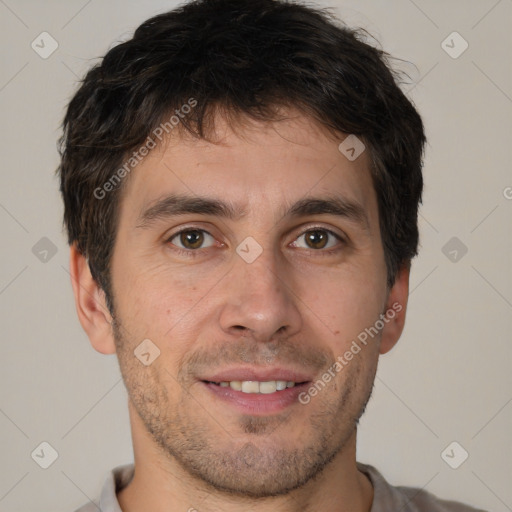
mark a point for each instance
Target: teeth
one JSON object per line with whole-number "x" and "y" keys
{"x": 250, "y": 386}
{"x": 268, "y": 387}
{"x": 254, "y": 386}
{"x": 236, "y": 385}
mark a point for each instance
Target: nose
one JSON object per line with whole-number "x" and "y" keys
{"x": 260, "y": 300}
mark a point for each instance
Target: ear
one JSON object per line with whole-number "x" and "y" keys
{"x": 91, "y": 304}
{"x": 396, "y": 306}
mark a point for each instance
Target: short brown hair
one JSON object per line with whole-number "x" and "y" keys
{"x": 244, "y": 57}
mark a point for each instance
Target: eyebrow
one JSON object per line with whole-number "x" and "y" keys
{"x": 179, "y": 204}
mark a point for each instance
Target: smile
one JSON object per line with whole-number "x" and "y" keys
{"x": 256, "y": 387}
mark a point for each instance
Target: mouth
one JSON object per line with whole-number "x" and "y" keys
{"x": 257, "y": 387}
{"x": 255, "y": 392}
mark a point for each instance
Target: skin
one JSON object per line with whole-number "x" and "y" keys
{"x": 296, "y": 306}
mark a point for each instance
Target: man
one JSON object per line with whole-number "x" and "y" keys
{"x": 241, "y": 182}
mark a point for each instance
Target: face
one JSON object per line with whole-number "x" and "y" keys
{"x": 252, "y": 265}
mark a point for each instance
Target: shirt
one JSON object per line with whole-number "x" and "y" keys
{"x": 386, "y": 498}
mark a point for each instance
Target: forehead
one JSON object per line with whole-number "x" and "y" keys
{"x": 256, "y": 165}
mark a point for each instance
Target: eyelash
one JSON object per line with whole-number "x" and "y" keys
{"x": 192, "y": 253}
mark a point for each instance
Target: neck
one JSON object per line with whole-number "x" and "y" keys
{"x": 160, "y": 484}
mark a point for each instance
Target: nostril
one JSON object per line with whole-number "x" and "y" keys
{"x": 240, "y": 328}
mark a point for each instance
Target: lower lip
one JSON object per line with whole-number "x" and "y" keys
{"x": 257, "y": 404}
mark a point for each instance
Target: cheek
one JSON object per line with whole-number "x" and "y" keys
{"x": 156, "y": 297}
{"x": 346, "y": 302}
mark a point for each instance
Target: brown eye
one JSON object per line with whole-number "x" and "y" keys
{"x": 191, "y": 239}
{"x": 317, "y": 239}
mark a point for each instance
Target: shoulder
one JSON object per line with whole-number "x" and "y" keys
{"x": 407, "y": 499}
{"x": 420, "y": 500}
{"x": 116, "y": 480}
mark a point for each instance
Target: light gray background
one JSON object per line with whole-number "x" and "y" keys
{"x": 449, "y": 377}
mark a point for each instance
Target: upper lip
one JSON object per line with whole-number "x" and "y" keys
{"x": 258, "y": 374}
